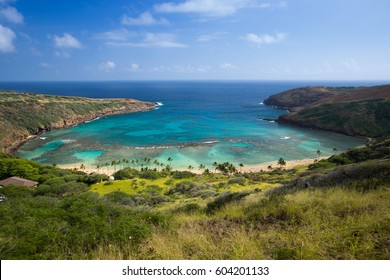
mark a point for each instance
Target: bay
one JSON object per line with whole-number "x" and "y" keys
{"x": 199, "y": 122}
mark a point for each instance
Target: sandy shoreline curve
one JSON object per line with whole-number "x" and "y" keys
{"x": 246, "y": 169}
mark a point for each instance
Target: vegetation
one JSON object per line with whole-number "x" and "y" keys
{"x": 334, "y": 209}
{"x": 357, "y": 111}
{"x": 23, "y": 114}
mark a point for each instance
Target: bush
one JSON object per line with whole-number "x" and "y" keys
{"x": 120, "y": 198}
{"x": 152, "y": 190}
{"x": 224, "y": 199}
{"x": 16, "y": 192}
{"x": 126, "y": 173}
{"x": 70, "y": 228}
{"x": 169, "y": 182}
{"x": 94, "y": 178}
{"x": 239, "y": 180}
{"x": 193, "y": 189}
{"x": 61, "y": 189}
{"x": 150, "y": 174}
{"x": 188, "y": 208}
{"x": 322, "y": 164}
{"x": 182, "y": 174}
{"x": 18, "y": 167}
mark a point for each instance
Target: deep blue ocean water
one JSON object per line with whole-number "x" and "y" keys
{"x": 199, "y": 122}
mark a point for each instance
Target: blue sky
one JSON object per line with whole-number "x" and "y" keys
{"x": 194, "y": 39}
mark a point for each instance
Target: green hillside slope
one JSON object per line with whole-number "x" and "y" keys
{"x": 360, "y": 111}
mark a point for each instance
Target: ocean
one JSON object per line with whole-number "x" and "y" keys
{"x": 198, "y": 122}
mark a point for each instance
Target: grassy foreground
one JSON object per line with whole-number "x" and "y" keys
{"x": 334, "y": 209}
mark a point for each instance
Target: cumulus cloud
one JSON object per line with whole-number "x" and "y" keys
{"x": 217, "y": 8}
{"x": 266, "y": 38}
{"x": 12, "y": 15}
{"x": 107, "y": 66}
{"x": 145, "y": 18}
{"x": 7, "y": 37}
{"x": 67, "y": 41}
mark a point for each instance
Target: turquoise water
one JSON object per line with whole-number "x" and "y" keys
{"x": 198, "y": 123}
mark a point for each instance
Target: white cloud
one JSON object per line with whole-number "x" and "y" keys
{"x": 7, "y": 37}
{"x": 181, "y": 69}
{"x": 227, "y": 66}
{"x": 145, "y": 18}
{"x": 134, "y": 67}
{"x": 107, "y": 66}
{"x": 115, "y": 35}
{"x": 12, "y": 15}
{"x": 160, "y": 40}
{"x": 216, "y": 8}
{"x": 67, "y": 41}
{"x": 210, "y": 37}
{"x": 266, "y": 38}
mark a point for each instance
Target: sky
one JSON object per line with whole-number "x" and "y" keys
{"x": 46, "y": 40}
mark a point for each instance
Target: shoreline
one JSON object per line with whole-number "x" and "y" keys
{"x": 246, "y": 169}
{"x": 20, "y": 142}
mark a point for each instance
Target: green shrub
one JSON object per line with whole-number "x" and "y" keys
{"x": 193, "y": 189}
{"x": 169, "y": 182}
{"x": 150, "y": 174}
{"x": 94, "y": 178}
{"x": 322, "y": 164}
{"x": 126, "y": 173}
{"x": 16, "y": 192}
{"x": 239, "y": 180}
{"x": 61, "y": 189}
{"x": 224, "y": 199}
{"x": 189, "y": 208}
{"x": 182, "y": 174}
{"x": 120, "y": 198}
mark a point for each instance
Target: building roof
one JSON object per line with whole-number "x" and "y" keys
{"x": 16, "y": 181}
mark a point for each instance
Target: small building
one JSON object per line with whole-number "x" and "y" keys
{"x": 16, "y": 181}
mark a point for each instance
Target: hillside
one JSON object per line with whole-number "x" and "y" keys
{"x": 24, "y": 114}
{"x": 355, "y": 111}
{"x": 334, "y": 209}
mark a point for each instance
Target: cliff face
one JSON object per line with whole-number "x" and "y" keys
{"x": 24, "y": 115}
{"x": 356, "y": 111}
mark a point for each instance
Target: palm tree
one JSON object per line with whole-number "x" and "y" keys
{"x": 281, "y": 162}
{"x": 190, "y": 167}
{"x": 318, "y": 153}
{"x": 82, "y": 166}
{"x": 215, "y": 165}
{"x": 114, "y": 163}
{"x": 201, "y": 167}
{"x": 157, "y": 164}
{"x": 241, "y": 166}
